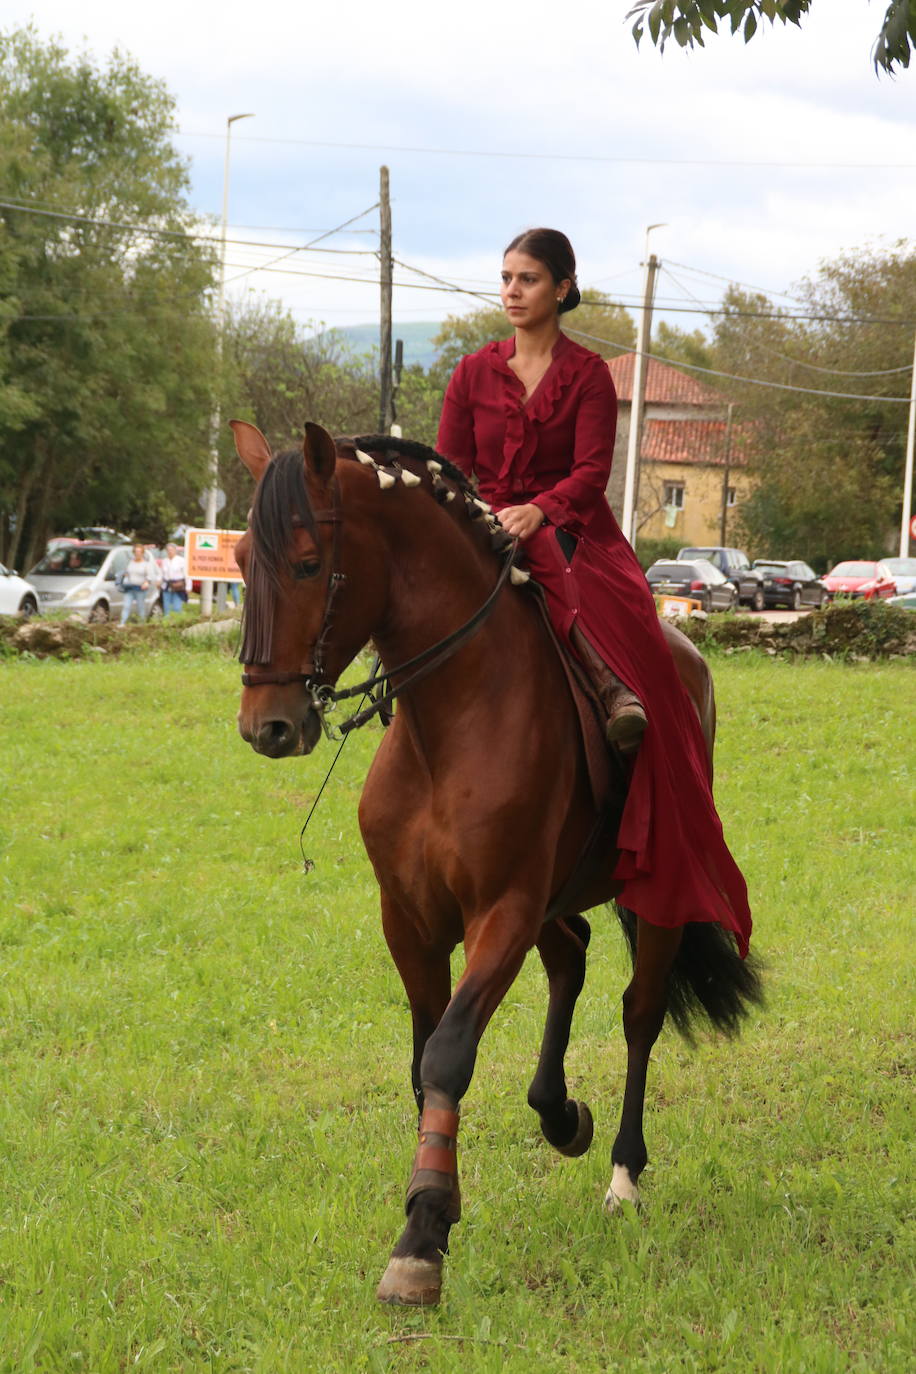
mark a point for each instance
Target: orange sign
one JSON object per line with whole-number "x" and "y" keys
{"x": 211, "y": 554}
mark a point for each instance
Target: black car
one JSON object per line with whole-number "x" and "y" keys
{"x": 791, "y": 583}
{"x": 698, "y": 580}
{"x": 736, "y": 566}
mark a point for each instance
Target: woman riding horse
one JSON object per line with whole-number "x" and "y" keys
{"x": 533, "y": 419}
{"x": 479, "y": 811}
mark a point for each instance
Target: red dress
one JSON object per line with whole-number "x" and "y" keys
{"x": 555, "y": 451}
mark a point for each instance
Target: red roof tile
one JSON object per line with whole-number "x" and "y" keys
{"x": 665, "y": 385}
{"x": 692, "y": 441}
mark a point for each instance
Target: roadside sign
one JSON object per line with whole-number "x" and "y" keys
{"x": 211, "y": 554}
{"x": 677, "y": 605}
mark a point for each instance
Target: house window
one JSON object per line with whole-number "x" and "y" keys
{"x": 730, "y": 497}
{"x": 674, "y": 495}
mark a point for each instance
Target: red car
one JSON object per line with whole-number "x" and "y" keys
{"x": 860, "y": 579}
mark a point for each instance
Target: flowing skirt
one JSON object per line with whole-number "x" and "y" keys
{"x": 674, "y": 864}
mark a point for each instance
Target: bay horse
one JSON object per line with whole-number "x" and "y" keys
{"x": 478, "y": 809}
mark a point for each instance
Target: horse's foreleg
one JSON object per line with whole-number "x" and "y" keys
{"x": 426, "y": 975}
{"x": 495, "y": 953}
{"x": 566, "y": 1124}
{"x": 644, "y": 1004}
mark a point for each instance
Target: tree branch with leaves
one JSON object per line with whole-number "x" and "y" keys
{"x": 687, "y": 21}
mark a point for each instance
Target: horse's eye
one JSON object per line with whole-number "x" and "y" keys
{"x": 307, "y": 568}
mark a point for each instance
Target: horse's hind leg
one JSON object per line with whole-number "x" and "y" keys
{"x": 567, "y": 1125}
{"x": 645, "y": 1002}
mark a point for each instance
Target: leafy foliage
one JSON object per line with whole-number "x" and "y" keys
{"x": 685, "y": 21}
{"x": 278, "y": 375}
{"x": 828, "y": 467}
{"x": 106, "y": 342}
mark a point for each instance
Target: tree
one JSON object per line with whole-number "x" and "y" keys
{"x": 827, "y": 464}
{"x": 106, "y": 335}
{"x": 278, "y": 375}
{"x": 685, "y": 20}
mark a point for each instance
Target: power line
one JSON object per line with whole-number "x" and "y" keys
{"x": 308, "y": 246}
{"x": 716, "y": 276}
{"x": 558, "y": 157}
{"x": 183, "y": 234}
{"x": 753, "y": 381}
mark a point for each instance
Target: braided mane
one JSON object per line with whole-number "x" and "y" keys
{"x": 282, "y": 502}
{"x": 409, "y": 448}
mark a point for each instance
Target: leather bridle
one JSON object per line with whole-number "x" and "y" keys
{"x": 324, "y": 695}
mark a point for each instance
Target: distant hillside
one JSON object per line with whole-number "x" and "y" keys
{"x": 418, "y": 339}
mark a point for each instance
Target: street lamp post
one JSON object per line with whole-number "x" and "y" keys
{"x": 206, "y": 589}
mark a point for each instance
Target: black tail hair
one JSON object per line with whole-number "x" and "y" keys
{"x": 709, "y": 978}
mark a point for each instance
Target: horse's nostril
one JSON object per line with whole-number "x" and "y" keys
{"x": 275, "y": 736}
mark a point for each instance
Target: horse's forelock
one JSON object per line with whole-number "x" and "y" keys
{"x": 281, "y": 505}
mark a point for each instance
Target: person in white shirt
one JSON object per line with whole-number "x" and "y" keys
{"x": 140, "y": 576}
{"x": 175, "y": 583}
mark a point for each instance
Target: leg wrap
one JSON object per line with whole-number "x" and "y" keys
{"x": 435, "y": 1164}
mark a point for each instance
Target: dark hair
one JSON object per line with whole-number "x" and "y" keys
{"x": 555, "y": 251}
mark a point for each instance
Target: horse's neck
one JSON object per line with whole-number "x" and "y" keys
{"x": 439, "y": 579}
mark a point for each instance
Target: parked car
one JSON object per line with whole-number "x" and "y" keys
{"x": 903, "y": 571}
{"x": 860, "y": 578}
{"x": 697, "y": 579}
{"x": 907, "y": 602}
{"x": 17, "y": 597}
{"x": 95, "y": 534}
{"x": 735, "y": 566}
{"x": 791, "y": 583}
{"x": 83, "y": 578}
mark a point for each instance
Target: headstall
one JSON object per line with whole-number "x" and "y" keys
{"x": 323, "y": 693}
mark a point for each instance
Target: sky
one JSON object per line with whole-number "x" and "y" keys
{"x": 759, "y": 161}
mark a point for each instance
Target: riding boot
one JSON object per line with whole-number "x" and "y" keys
{"x": 626, "y": 719}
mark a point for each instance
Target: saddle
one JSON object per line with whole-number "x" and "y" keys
{"x": 608, "y": 773}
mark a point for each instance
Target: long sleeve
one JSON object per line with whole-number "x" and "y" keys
{"x": 456, "y": 425}
{"x": 571, "y": 501}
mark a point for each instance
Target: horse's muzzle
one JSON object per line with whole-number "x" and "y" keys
{"x": 280, "y": 737}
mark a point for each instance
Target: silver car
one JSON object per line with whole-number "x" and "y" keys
{"x": 84, "y": 579}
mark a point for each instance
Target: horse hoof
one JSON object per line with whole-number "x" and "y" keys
{"x": 411, "y": 1282}
{"x": 584, "y": 1132}
{"x": 622, "y": 1190}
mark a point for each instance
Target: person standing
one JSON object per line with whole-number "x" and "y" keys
{"x": 175, "y": 584}
{"x": 140, "y": 576}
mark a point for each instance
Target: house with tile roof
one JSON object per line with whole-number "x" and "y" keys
{"x": 689, "y": 464}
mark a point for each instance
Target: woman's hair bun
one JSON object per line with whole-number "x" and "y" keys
{"x": 571, "y": 299}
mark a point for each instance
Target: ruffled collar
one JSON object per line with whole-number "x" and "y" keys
{"x": 521, "y": 417}
{"x": 562, "y": 371}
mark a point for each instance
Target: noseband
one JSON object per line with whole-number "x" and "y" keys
{"x": 324, "y": 696}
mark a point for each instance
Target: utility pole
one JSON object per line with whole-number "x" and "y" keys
{"x": 643, "y": 335}
{"x": 206, "y": 587}
{"x": 385, "y": 282}
{"x": 908, "y": 468}
{"x": 395, "y": 429}
{"x": 728, "y": 455}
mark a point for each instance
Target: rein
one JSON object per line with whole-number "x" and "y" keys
{"x": 324, "y": 695}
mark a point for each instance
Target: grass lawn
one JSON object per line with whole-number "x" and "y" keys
{"x": 206, "y": 1126}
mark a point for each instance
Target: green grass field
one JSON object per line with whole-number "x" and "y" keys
{"x": 206, "y": 1120}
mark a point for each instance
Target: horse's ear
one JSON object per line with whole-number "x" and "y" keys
{"x": 252, "y": 447}
{"x": 320, "y": 451}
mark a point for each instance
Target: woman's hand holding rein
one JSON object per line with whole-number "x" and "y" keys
{"x": 521, "y": 521}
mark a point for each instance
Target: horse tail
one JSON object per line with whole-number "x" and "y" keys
{"x": 709, "y": 979}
